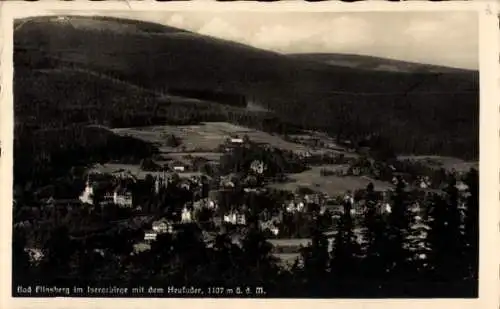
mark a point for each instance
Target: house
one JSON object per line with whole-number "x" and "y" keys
{"x": 160, "y": 182}
{"x": 241, "y": 219}
{"x": 386, "y": 208}
{"x": 230, "y": 218}
{"x": 270, "y": 226}
{"x": 100, "y": 252}
{"x": 179, "y": 165}
{"x": 235, "y": 218}
{"x": 185, "y": 184}
{"x": 122, "y": 197}
{"x": 205, "y": 203}
{"x": 415, "y": 208}
{"x": 186, "y": 215}
{"x": 162, "y": 227}
{"x": 349, "y": 198}
{"x": 87, "y": 196}
{"x": 150, "y": 236}
{"x": 257, "y": 167}
{"x": 236, "y": 140}
{"x": 461, "y": 186}
{"x": 251, "y": 190}
{"x": 35, "y": 254}
{"x": 211, "y": 204}
{"x": 295, "y": 206}
{"x": 274, "y": 230}
{"x": 424, "y": 182}
{"x": 302, "y": 153}
{"x": 178, "y": 168}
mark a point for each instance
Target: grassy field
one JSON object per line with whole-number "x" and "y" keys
{"x": 207, "y": 136}
{"x": 210, "y": 156}
{"x": 115, "y": 168}
{"x": 135, "y": 170}
{"x": 448, "y": 163}
{"x": 331, "y": 185}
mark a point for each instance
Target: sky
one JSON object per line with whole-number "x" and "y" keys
{"x": 441, "y": 38}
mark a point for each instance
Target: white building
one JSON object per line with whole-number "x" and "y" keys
{"x": 236, "y": 140}
{"x": 205, "y": 203}
{"x": 295, "y": 206}
{"x": 349, "y": 198}
{"x": 290, "y": 207}
{"x": 87, "y": 196}
{"x": 275, "y": 230}
{"x": 461, "y": 186}
{"x": 35, "y": 254}
{"x": 186, "y": 215}
{"x": 230, "y": 218}
{"x": 150, "y": 236}
{"x": 162, "y": 227}
{"x": 386, "y": 208}
{"x": 424, "y": 182}
{"x": 159, "y": 183}
{"x": 235, "y": 218}
{"x": 179, "y": 168}
{"x": 241, "y": 219}
{"x": 257, "y": 167}
{"x": 211, "y": 204}
{"x": 122, "y": 198}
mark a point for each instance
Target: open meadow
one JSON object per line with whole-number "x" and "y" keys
{"x": 208, "y": 136}
{"x": 332, "y": 185}
{"x": 448, "y": 163}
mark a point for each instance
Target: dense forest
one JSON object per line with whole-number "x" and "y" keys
{"x": 50, "y": 102}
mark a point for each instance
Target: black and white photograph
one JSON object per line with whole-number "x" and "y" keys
{"x": 246, "y": 154}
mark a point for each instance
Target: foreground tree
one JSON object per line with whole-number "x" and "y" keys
{"x": 445, "y": 236}
{"x": 398, "y": 226}
{"x": 316, "y": 259}
{"x": 375, "y": 233}
{"x": 346, "y": 251}
{"x": 471, "y": 225}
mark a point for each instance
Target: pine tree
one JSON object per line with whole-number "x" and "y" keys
{"x": 257, "y": 260}
{"x": 346, "y": 251}
{"x": 398, "y": 226}
{"x": 471, "y": 224}
{"x": 445, "y": 235}
{"x": 316, "y": 257}
{"x": 59, "y": 248}
{"x": 370, "y": 216}
{"x": 455, "y": 268}
{"x": 20, "y": 259}
{"x": 418, "y": 243}
{"x": 438, "y": 256}
{"x": 375, "y": 240}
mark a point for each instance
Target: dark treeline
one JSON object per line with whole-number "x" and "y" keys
{"x": 231, "y": 99}
{"x": 44, "y": 155}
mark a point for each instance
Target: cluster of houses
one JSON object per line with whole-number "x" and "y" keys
{"x": 117, "y": 193}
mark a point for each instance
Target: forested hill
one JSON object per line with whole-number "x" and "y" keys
{"x": 411, "y": 110}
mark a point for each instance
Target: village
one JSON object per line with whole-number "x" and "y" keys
{"x": 179, "y": 191}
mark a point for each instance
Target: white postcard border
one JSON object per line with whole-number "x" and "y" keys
{"x": 489, "y": 150}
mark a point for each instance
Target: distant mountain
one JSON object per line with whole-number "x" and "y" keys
{"x": 364, "y": 62}
{"x": 311, "y": 90}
